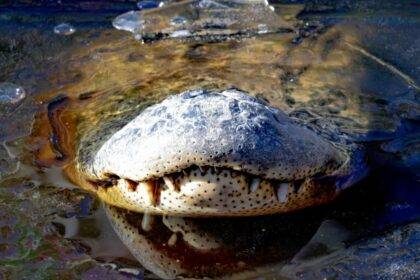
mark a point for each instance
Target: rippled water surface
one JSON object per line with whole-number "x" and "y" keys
{"x": 72, "y": 68}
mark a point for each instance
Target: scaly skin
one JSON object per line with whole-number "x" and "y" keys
{"x": 211, "y": 153}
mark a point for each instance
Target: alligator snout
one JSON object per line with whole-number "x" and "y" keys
{"x": 211, "y": 153}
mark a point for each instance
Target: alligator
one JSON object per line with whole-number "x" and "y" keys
{"x": 223, "y": 142}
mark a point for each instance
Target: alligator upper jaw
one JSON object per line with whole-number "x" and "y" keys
{"x": 208, "y": 191}
{"x": 261, "y": 153}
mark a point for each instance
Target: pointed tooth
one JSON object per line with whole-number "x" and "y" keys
{"x": 157, "y": 188}
{"x": 146, "y": 222}
{"x": 153, "y": 192}
{"x": 149, "y": 193}
{"x": 172, "y": 240}
{"x": 282, "y": 191}
{"x": 201, "y": 169}
{"x": 169, "y": 183}
{"x": 132, "y": 185}
{"x": 255, "y": 183}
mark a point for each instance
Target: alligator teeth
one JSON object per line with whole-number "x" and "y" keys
{"x": 172, "y": 240}
{"x": 282, "y": 192}
{"x": 169, "y": 183}
{"x": 132, "y": 185}
{"x": 217, "y": 170}
{"x": 255, "y": 183}
{"x": 153, "y": 192}
{"x": 146, "y": 222}
{"x": 149, "y": 192}
{"x": 202, "y": 169}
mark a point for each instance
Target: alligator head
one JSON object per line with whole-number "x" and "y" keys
{"x": 212, "y": 153}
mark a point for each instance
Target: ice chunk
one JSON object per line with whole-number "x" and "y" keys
{"x": 205, "y": 19}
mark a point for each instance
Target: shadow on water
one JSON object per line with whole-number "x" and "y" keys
{"x": 339, "y": 63}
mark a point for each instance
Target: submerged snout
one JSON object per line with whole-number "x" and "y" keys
{"x": 209, "y": 153}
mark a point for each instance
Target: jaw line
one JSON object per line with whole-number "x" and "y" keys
{"x": 284, "y": 158}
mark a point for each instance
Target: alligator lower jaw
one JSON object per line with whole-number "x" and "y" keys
{"x": 168, "y": 250}
{"x": 207, "y": 191}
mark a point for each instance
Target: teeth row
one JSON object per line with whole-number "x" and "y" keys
{"x": 280, "y": 191}
{"x": 154, "y": 187}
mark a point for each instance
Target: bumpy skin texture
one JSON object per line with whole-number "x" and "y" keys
{"x": 221, "y": 129}
{"x": 142, "y": 248}
{"x": 212, "y": 153}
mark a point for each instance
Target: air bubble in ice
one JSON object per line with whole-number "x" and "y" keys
{"x": 181, "y": 33}
{"x": 209, "y": 4}
{"x": 64, "y": 29}
{"x": 143, "y": 5}
{"x": 131, "y": 21}
{"x": 178, "y": 20}
{"x": 262, "y": 28}
{"x": 11, "y": 93}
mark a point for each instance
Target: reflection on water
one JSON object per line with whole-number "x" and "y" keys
{"x": 351, "y": 70}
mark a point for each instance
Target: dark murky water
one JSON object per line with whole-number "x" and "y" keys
{"x": 67, "y": 68}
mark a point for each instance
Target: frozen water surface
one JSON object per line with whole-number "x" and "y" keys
{"x": 343, "y": 66}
